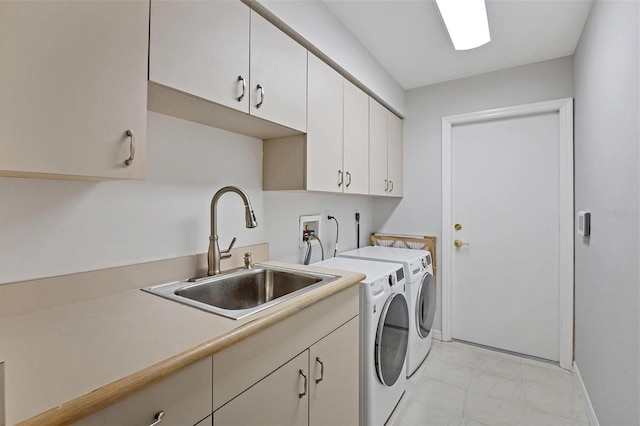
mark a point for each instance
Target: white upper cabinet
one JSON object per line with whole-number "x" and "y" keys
{"x": 385, "y": 152}
{"x": 278, "y": 84}
{"x": 224, "y": 55}
{"x": 394, "y": 155}
{"x": 337, "y": 150}
{"x": 324, "y": 133}
{"x": 73, "y": 88}
{"x": 202, "y": 48}
{"x": 378, "y": 180}
{"x": 356, "y": 140}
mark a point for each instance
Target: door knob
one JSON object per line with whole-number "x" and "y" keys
{"x": 460, "y": 243}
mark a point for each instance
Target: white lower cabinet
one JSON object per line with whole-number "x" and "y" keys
{"x": 281, "y": 398}
{"x": 317, "y": 387}
{"x": 302, "y": 370}
{"x": 185, "y": 398}
{"x": 333, "y": 386}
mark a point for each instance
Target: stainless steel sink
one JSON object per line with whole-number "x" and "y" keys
{"x": 242, "y": 292}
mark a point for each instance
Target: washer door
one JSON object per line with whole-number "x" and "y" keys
{"x": 392, "y": 338}
{"x": 425, "y": 305}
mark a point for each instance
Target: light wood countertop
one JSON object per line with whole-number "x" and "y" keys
{"x": 67, "y": 362}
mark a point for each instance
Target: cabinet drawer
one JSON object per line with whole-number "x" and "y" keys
{"x": 185, "y": 398}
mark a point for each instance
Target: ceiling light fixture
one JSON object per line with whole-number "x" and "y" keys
{"x": 466, "y": 21}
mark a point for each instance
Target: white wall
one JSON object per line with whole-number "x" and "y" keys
{"x": 607, "y": 169}
{"x": 54, "y": 227}
{"x": 51, "y": 227}
{"x": 283, "y": 210}
{"x": 420, "y": 211}
{"x": 315, "y": 22}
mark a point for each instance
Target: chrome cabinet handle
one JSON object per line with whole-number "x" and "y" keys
{"x": 304, "y": 392}
{"x": 321, "y": 370}
{"x": 261, "y": 89}
{"x": 244, "y": 87}
{"x": 348, "y": 179}
{"x": 391, "y": 188}
{"x": 340, "y": 178}
{"x": 386, "y": 185}
{"x": 158, "y": 418}
{"x": 132, "y": 148}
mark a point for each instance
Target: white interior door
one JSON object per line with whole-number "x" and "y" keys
{"x": 506, "y": 197}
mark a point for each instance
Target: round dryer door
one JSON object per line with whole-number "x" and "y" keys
{"x": 392, "y": 338}
{"x": 426, "y": 305}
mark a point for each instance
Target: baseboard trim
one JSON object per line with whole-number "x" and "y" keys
{"x": 591, "y": 414}
{"x": 436, "y": 334}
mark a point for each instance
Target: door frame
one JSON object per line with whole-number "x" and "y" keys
{"x": 564, "y": 108}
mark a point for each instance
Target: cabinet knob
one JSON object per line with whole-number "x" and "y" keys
{"x": 261, "y": 90}
{"x": 132, "y": 148}
{"x": 158, "y": 418}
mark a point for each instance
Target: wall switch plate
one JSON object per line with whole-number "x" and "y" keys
{"x": 311, "y": 222}
{"x": 584, "y": 223}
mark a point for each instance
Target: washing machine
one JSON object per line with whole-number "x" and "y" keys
{"x": 421, "y": 294}
{"x": 384, "y": 335}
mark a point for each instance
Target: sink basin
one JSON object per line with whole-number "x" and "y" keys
{"x": 242, "y": 292}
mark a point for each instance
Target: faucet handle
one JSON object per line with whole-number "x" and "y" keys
{"x": 230, "y": 246}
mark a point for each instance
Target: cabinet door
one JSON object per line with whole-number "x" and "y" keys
{"x": 201, "y": 48}
{"x": 281, "y": 398}
{"x": 279, "y": 68}
{"x": 356, "y": 140}
{"x": 324, "y": 131}
{"x": 394, "y": 162}
{"x": 73, "y": 80}
{"x": 185, "y": 398}
{"x": 378, "y": 181}
{"x": 335, "y": 368}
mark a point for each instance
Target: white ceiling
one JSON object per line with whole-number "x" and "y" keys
{"x": 409, "y": 39}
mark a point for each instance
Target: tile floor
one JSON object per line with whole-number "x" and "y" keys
{"x": 460, "y": 384}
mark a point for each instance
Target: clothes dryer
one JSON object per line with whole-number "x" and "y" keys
{"x": 421, "y": 294}
{"x": 384, "y": 335}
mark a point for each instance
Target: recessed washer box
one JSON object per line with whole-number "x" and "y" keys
{"x": 313, "y": 223}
